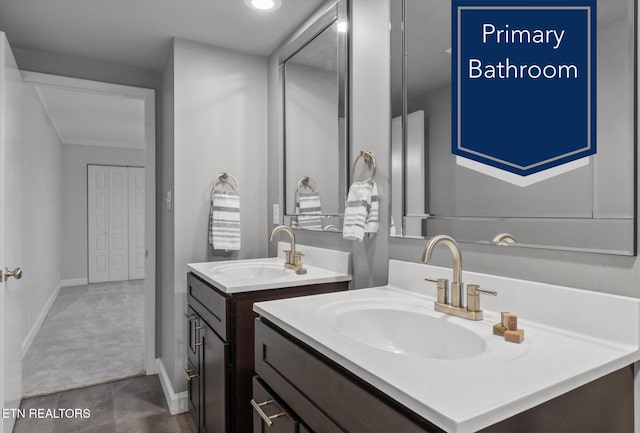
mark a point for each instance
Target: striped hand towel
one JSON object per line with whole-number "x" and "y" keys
{"x": 224, "y": 221}
{"x": 361, "y": 213}
{"x": 371, "y": 225}
{"x": 308, "y": 210}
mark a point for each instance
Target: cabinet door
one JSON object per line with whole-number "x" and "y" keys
{"x": 214, "y": 372}
{"x": 193, "y": 386}
{"x": 269, "y": 416}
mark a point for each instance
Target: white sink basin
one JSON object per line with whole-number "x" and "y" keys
{"x": 409, "y": 333}
{"x": 252, "y": 271}
{"x": 246, "y": 275}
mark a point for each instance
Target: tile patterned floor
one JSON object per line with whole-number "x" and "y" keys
{"x": 92, "y": 334}
{"x": 135, "y": 405}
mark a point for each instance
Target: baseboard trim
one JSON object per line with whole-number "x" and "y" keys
{"x": 28, "y": 340}
{"x": 74, "y": 282}
{"x": 178, "y": 403}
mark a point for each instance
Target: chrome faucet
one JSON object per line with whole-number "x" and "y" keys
{"x": 472, "y": 311}
{"x": 456, "y": 284}
{"x": 292, "y": 257}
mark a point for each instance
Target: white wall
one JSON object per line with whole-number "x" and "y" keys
{"x": 219, "y": 124}
{"x": 74, "y": 199}
{"x": 41, "y": 210}
{"x": 166, "y": 323}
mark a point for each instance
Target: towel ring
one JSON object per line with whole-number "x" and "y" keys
{"x": 224, "y": 178}
{"x": 369, "y": 158}
{"x": 307, "y": 182}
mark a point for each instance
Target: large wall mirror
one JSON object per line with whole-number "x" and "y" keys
{"x": 591, "y": 208}
{"x": 313, "y": 69}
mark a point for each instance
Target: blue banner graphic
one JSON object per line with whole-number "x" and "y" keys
{"x": 524, "y": 82}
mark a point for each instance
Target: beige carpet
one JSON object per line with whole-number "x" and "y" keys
{"x": 92, "y": 334}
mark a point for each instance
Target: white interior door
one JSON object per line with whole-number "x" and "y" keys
{"x": 118, "y": 224}
{"x": 98, "y": 217}
{"x": 10, "y": 232}
{"x": 108, "y": 215}
{"x": 136, "y": 223}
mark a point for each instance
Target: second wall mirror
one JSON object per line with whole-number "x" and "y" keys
{"x": 314, "y": 77}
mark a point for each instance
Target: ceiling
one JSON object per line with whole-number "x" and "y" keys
{"x": 134, "y": 33}
{"x": 138, "y": 32}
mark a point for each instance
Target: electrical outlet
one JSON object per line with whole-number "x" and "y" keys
{"x": 276, "y": 213}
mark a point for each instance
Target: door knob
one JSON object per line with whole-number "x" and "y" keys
{"x": 16, "y": 273}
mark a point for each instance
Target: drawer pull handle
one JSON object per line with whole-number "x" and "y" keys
{"x": 191, "y": 374}
{"x": 266, "y": 418}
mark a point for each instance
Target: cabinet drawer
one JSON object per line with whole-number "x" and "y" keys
{"x": 269, "y": 414}
{"x": 312, "y": 387}
{"x": 212, "y": 306}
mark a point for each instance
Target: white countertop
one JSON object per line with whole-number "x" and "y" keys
{"x": 322, "y": 265}
{"x": 571, "y": 338}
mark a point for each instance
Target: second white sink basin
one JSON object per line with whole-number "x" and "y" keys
{"x": 409, "y": 333}
{"x": 252, "y": 271}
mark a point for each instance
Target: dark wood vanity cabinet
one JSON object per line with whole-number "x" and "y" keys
{"x": 220, "y": 336}
{"x": 318, "y": 395}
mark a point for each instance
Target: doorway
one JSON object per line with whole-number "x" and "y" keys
{"x": 143, "y": 244}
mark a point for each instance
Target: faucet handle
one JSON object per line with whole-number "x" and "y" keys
{"x": 473, "y": 296}
{"x": 443, "y": 289}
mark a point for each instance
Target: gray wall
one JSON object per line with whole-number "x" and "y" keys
{"x": 48, "y": 63}
{"x": 219, "y": 106}
{"x": 370, "y": 130}
{"x": 74, "y": 199}
{"x": 41, "y": 210}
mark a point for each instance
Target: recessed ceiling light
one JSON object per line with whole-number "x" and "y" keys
{"x": 263, "y": 5}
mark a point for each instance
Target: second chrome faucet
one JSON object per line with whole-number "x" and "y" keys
{"x": 292, "y": 257}
{"x": 455, "y": 306}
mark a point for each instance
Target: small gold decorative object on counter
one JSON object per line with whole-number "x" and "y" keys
{"x": 516, "y": 336}
{"x": 508, "y": 328}
{"x": 509, "y": 321}
{"x": 499, "y": 329}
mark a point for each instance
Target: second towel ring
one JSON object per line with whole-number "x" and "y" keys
{"x": 308, "y": 182}
{"x": 224, "y": 178}
{"x": 369, "y": 158}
